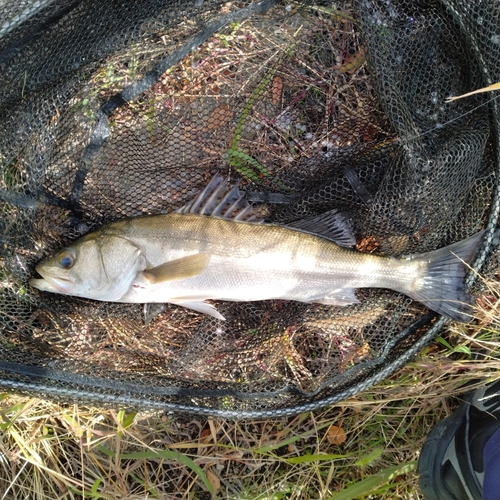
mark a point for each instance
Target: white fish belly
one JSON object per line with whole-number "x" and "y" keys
{"x": 251, "y": 279}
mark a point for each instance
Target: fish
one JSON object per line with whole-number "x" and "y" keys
{"x": 216, "y": 248}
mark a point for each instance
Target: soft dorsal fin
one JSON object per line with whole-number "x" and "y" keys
{"x": 220, "y": 199}
{"x": 332, "y": 225}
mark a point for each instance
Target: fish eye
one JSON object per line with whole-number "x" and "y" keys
{"x": 66, "y": 259}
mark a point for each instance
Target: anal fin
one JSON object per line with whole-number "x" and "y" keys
{"x": 340, "y": 297}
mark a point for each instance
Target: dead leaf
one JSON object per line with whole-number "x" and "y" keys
{"x": 352, "y": 63}
{"x": 276, "y": 89}
{"x": 233, "y": 455}
{"x": 219, "y": 117}
{"x": 362, "y": 353}
{"x": 335, "y": 435}
{"x": 205, "y": 435}
{"x": 368, "y": 244}
{"x": 486, "y": 302}
{"x": 214, "y": 480}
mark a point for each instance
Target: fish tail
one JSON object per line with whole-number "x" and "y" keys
{"x": 442, "y": 287}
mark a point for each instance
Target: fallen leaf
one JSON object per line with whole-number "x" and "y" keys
{"x": 352, "y": 63}
{"x": 205, "y": 435}
{"x": 213, "y": 479}
{"x": 276, "y": 89}
{"x": 233, "y": 455}
{"x": 367, "y": 244}
{"x": 335, "y": 435}
{"x": 219, "y": 117}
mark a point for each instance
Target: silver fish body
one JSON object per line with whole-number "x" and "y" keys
{"x": 186, "y": 258}
{"x": 248, "y": 261}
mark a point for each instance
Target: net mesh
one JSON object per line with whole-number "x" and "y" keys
{"x": 120, "y": 109}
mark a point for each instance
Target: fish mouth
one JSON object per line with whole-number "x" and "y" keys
{"x": 54, "y": 284}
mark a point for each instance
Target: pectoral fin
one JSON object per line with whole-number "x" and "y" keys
{"x": 185, "y": 267}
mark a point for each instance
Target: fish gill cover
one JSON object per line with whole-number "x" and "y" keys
{"x": 121, "y": 109}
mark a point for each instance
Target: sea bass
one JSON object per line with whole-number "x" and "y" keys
{"x": 214, "y": 248}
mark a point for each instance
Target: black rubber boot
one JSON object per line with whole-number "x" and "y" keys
{"x": 451, "y": 461}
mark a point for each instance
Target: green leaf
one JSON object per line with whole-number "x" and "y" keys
{"x": 239, "y": 160}
{"x": 8, "y": 421}
{"x": 371, "y": 457}
{"x": 128, "y": 420}
{"x": 366, "y": 486}
{"x": 165, "y": 455}
{"x": 444, "y": 342}
{"x": 94, "y": 491}
{"x": 461, "y": 348}
{"x": 314, "y": 458}
{"x": 125, "y": 420}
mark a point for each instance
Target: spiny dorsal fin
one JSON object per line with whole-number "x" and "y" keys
{"x": 219, "y": 199}
{"x": 332, "y": 225}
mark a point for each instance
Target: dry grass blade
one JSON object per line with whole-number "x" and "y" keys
{"x": 490, "y": 88}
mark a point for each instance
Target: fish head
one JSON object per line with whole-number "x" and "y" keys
{"x": 97, "y": 266}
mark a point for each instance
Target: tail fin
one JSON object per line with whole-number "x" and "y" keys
{"x": 442, "y": 288}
